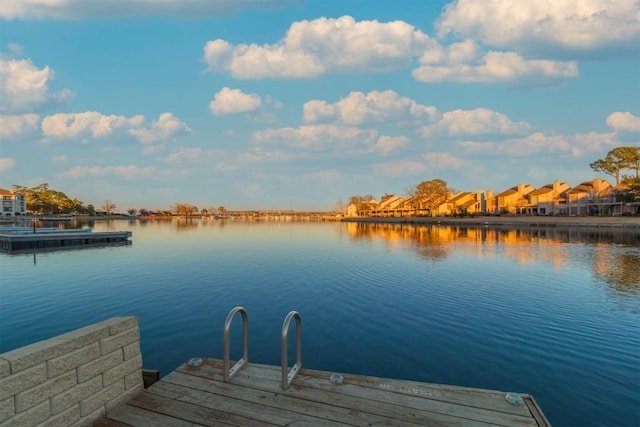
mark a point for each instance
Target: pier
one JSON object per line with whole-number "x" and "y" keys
{"x": 210, "y": 392}
{"x": 26, "y": 238}
{"x": 194, "y": 396}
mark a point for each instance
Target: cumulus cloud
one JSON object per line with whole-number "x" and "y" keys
{"x": 95, "y": 125}
{"x": 479, "y": 121}
{"x": 443, "y": 161}
{"x": 493, "y": 67}
{"x": 546, "y": 26}
{"x": 312, "y": 48}
{"x": 24, "y": 87}
{"x": 376, "y": 106}
{"x": 87, "y": 124}
{"x": 164, "y": 128}
{"x": 234, "y": 101}
{"x": 14, "y": 126}
{"x": 100, "y": 9}
{"x": 125, "y": 172}
{"x": 316, "y": 137}
{"x": 388, "y": 144}
{"x": 624, "y": 122}
{"x": 574, "y": 145}
{"x": 6, "y": 164}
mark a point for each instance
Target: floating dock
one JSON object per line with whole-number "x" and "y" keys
{"x": 25, "y": 238}
{"x": 208, "y": 392}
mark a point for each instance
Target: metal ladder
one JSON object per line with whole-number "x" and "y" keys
{"x": 288, "y": 375}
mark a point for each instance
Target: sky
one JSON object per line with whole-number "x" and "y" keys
{"x": 300, "y": 104}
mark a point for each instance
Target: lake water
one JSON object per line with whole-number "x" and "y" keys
{"x": 553, "y": 313}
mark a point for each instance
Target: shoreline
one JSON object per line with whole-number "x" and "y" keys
{"x": 510, "y": 221}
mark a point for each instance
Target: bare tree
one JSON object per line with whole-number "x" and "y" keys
{"x": 108, "y": 206}
{"x": 185, "y": 209}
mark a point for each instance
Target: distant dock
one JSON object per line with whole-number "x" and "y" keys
{"x": 26, "y": 238}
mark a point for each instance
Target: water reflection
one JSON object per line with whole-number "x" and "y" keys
{"x": 618, "y": 268}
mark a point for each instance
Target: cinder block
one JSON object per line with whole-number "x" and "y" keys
{"x": 98, "y": 366}
{"x": 108, "y": 345}
{"x": 88, "y": 420}
{"x": 131, "y": 350}
{"x": 73, "y": 396}
{"x": 33, "y": 354}
{"x": 23, "y": 380}
{"x": 124, "y": 397}
{"x": 124, "y": 324}
{"x": 5, "y": 368}
{"x": 72, "y": 360}
{"x": 42, "y": 392}
{"x": 134, "y": 379}
{"x": 25, "y": 357}
{"x": 108, "y": 394}
{"x": 64, "y": 419}
{"x": 32, "y": 417}
{"x": 7, "y": 409}
{"x": 122, "y": 370}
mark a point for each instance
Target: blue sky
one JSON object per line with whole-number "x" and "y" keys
{"x": 278, "y": 104}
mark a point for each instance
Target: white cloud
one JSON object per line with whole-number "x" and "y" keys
{"x": 100, "y": 9}
{"x": 479, "y": 121}
{"x": 574, "y": 145}
{"x": 92, "y": 124}
{"x": 401, "y": 168}
{"x": 387, "y": 144}
{"x": 623, "y": 122}
{"x": 316, "y": 137}
{"x": 312, "y": 48}
{"x": 376, "y": 106}
{"x": 568, "y": 26}
{"x": 14, "y": 126}
{"x": 234, "y": 101}
{"x": 6, "y": 164}
{"x": 275, "y": 156}
{"x": 164, "y": 128}
{"x": 443, "y": 161}
{"x": 59, "y": 159}
{"x": 24, "y": 87}
{"x": 125, "y": 172}
{"x": 87, "y": 124}
{"x": 494, "y": 67}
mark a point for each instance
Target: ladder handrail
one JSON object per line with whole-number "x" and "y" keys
{"x": 288, "y": 376}
{"x": 230, "y": 373}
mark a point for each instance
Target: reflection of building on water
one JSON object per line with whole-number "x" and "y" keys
{"x": 547, "y": 246}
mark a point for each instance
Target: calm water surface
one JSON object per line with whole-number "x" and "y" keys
{"x": 553, "y": 313}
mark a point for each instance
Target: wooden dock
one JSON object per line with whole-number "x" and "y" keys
{"x": 27, "y": 238}
{"x": 195, "y": 396}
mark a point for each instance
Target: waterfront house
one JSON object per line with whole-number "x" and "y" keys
{"x": 514, "y": 200}
{"x": 465, "y": 203}
{"x": 13, "y": 203}
{"x": 549, "y": 199}
{"x": 594, "y": 197}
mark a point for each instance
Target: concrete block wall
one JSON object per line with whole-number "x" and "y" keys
{"x": 71, "y": 379}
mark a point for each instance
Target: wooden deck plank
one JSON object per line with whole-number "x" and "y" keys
{"x": 198, "y": 396}
{"x": 188, "y": 411}
{"x": 135, "y": 416}
{"x": 240, "y": 406}
{"x": 472, "y": 397}
{"x": 276, "y": 398}
{"x": 376, "y": 400}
